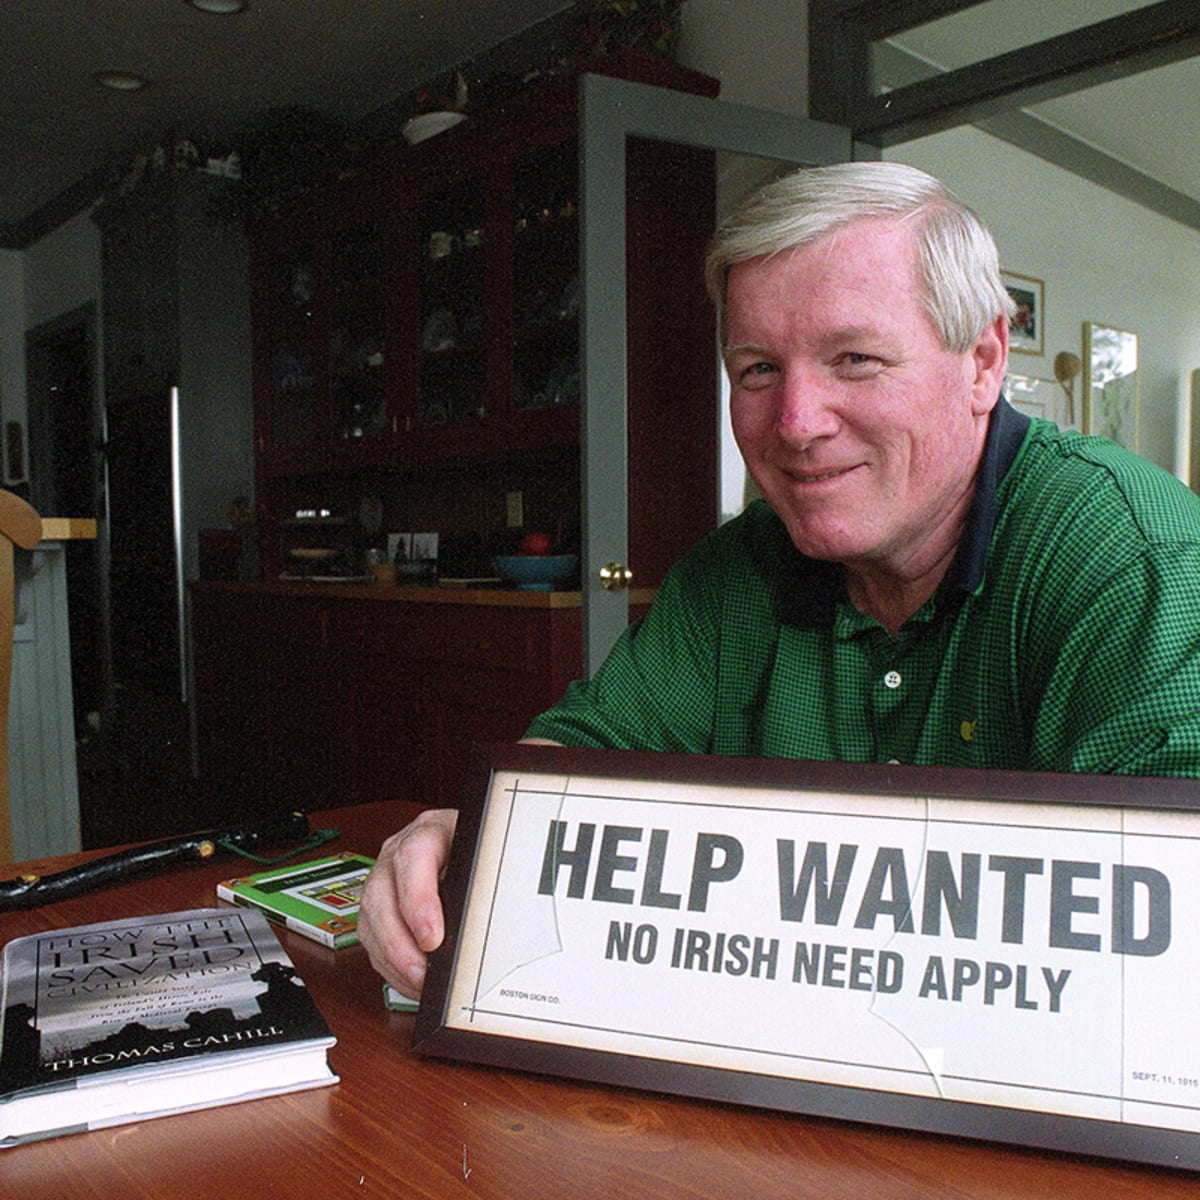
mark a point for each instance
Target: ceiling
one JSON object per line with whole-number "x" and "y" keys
{"x": 1149, "y": 121}
{"x": 211, "y": 75}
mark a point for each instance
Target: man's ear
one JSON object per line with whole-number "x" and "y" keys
{"x": 989, "y": 357}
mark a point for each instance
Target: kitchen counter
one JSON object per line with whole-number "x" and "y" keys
{"x": 68, "y": 529}
{"x": 492, "y": 597}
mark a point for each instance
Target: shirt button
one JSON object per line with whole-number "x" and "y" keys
{"x": 892, "y": 679}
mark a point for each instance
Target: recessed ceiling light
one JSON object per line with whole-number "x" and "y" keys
{"x": 121, "y": 81}
{"x": 223, "y": 7}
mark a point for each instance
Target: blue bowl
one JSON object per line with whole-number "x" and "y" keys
{"x": 536, "y": 572}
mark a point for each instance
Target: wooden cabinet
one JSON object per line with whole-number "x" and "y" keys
{"x": 420, "y": 320}
{"x": 343, "y": 696}
{"x": 417, "y": 359}
{"x": 321, "y": 284}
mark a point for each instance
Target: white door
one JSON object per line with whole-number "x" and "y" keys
{"x": 611, "y": 111}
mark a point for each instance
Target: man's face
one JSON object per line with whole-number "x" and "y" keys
{"x": 859, "y": 428}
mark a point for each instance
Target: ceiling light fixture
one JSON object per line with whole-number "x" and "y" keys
{"x": 224, "y": 8}
{"x": 121, "y": 81}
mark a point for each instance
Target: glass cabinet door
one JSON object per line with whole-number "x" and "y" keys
{"x": 546, "y": 280}
{"x": 453, "y": 371}
{"x": 357, "y": 349}
{"x": 293, "y": 392}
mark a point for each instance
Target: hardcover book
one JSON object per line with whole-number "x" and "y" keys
{"x": 318, "y": 899}
{"x": 126, "y": 1020}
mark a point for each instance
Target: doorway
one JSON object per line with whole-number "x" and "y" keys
{"x": 65, "y": 480}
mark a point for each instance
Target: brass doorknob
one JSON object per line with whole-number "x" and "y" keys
{"x": 615, "y": 576}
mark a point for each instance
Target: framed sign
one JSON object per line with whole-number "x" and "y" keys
{"x": 1006, "y": 955}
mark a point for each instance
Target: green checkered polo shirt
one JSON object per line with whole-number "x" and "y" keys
{"x": 1066, "y": 636}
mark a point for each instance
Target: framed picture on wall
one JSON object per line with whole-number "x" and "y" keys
{"x": 1025, "y": 330}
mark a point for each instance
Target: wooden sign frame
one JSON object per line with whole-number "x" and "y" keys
{"x": 1045, "y": 926}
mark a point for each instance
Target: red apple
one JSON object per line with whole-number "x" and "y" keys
{"x": 536, "y": 543}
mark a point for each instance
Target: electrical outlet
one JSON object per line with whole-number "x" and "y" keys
{"x": 514, "y": 503}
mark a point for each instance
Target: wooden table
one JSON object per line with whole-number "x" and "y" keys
{"x": 401, "y": 1126}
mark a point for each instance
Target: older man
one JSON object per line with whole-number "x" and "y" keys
{"x": 933, "y": 578}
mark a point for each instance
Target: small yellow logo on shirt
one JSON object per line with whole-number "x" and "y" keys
{"x": 967, "y": 729}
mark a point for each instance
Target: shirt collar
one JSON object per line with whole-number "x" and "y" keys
{"x": 811, "y": 589}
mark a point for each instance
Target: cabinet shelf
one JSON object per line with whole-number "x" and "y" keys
{"x": 428, "y": 312}
{"x": 331, "y": 697}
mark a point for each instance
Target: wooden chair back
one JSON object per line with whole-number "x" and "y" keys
{"x": 19, "y": 526}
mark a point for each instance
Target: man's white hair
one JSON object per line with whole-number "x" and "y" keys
{"x": 959, "y": 265}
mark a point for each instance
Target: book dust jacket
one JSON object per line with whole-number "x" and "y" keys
{"x": 121, "y": 995}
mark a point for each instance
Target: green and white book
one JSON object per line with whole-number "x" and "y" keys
{"x": 319, "y": 898}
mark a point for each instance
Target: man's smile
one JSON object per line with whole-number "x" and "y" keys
{"x": 800, "y": 476}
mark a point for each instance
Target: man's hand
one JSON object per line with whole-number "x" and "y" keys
{"x": 400, "y": 920}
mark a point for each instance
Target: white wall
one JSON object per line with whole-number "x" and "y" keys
{"x": 758, "y": 49}
{"x": 1101, "y": 259}
{"x": 62, "y": 271}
